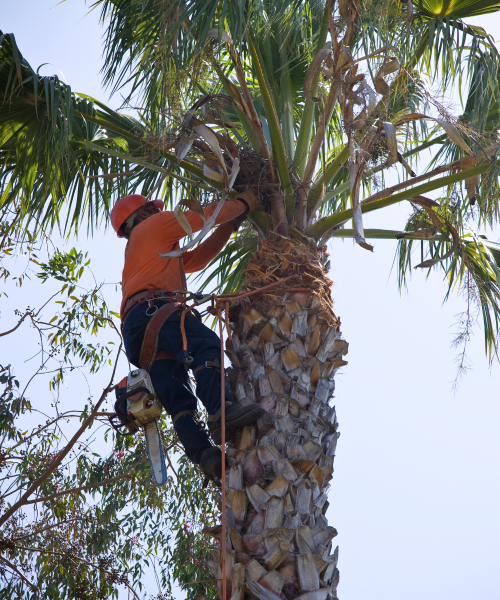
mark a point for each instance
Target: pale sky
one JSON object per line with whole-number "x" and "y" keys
{"x": 416, "y": 493}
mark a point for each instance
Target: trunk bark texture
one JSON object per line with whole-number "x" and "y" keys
{"x": 285, "y": 349}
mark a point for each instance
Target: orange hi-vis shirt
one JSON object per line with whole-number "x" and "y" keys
{"x": 161, "y": 233}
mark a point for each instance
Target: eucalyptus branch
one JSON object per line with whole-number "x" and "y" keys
{"x": 73, "y": 559}
{"x": 109, "y": 321}
{"x": 28, "y": 312}
{"x": 37, "y": 372}
{"x": 52, "y": 325}
{"x": 90, "y": 486}
{"x": 47, "y": 528}
{"x": 38, "y": 431}
{"x": 61, "y": 455}
{"x": 173, "y": 470}
{"x": 31, "y": 314}
{"x": 16, "y": 570}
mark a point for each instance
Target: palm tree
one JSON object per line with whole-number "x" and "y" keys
{"x": 307, "y": 105}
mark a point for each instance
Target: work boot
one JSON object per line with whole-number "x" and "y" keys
{"x": 211, "y": 465}
{"x": 236, "y": 416}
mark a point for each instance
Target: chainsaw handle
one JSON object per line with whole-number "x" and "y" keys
{"x": 118, "y": 427}
{"x": 134, "y": 392}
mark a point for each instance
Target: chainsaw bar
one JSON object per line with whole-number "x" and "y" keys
{"x": 155, "y": 452}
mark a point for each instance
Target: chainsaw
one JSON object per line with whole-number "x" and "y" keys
{"x": 137, "y": 406}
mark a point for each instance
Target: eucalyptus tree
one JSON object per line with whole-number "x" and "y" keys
{"x": 79, "y": 516}
{"x": 310, "y": 106}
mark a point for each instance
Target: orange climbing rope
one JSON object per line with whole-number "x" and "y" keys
{"x": 183, "y": 328}
{"x": 223, "y": 445}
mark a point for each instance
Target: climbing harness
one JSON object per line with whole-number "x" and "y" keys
{"x": 137, "y": 405}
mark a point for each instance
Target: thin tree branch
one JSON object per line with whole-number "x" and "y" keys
{"x": 81, "y": 560}
{"x": 62, "y": 416}
{"x": 87, "y": 487}
{"x": 106, "y": 319}
{"x": 39, "y": 531}
{"x": 50, "y": 355}
{"x": 174, "y": 471}
{"x": 61, "y": 455}
{"x": 23, "y": 578}
{"x": 18, "y": 324}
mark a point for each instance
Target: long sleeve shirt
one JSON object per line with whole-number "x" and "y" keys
{"x": 161, "y": 233}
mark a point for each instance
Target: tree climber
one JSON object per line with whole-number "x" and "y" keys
{"x": 148, "y": 282}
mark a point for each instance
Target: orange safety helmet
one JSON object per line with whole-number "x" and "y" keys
{"x": 126, "y": 206}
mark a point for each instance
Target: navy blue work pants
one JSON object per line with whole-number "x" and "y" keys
{"x": 170, "y": 378}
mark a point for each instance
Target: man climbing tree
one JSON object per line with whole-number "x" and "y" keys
{"x": 316, "y": 108}
{"x": 151, "y": 288}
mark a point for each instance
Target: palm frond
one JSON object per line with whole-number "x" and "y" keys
{"x": 237, "y": 72}
{"x": 65, "y": 158}
{"x": 473, "y": 270}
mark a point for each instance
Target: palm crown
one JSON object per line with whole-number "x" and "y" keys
{"x": 306, "y": 104}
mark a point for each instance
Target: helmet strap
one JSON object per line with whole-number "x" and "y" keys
{"x": 128, "y": 225}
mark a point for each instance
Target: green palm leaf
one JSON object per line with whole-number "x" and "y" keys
{"x": 455, "y": 9}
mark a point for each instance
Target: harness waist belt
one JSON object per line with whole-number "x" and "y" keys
{"x": 146, "y": 296}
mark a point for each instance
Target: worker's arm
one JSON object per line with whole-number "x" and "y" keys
{"x": 198, "y": 259}
{"x": 173, "y": 232}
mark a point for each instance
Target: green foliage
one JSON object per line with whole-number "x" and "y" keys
{"x": 97, "y": 523}
{"x": 80, "y": 139}
{"x": 229, "y": 267}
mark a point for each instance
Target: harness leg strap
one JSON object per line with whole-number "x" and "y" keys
{"x": 209, "y": 364}
{"x": 181, "y": 414}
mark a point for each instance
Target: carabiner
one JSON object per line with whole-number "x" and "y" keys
{"x": 151, "y": 305}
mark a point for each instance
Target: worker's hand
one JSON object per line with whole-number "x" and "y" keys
{"x": 251, "y": 199}
{"x": 237, "y": 221}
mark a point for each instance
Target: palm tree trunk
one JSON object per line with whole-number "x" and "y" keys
{"x": 285, "y": 350}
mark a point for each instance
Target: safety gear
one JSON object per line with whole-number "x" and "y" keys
{"x": 127, "y": 205}
{"x": 251, "y": 199}
{"x": 149, "y": 349}
{"x": 236, "y": 416}
{"x": 208, "y": 364}
{"x": 148, "y": 296}
{"x": 237, "y": 221}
